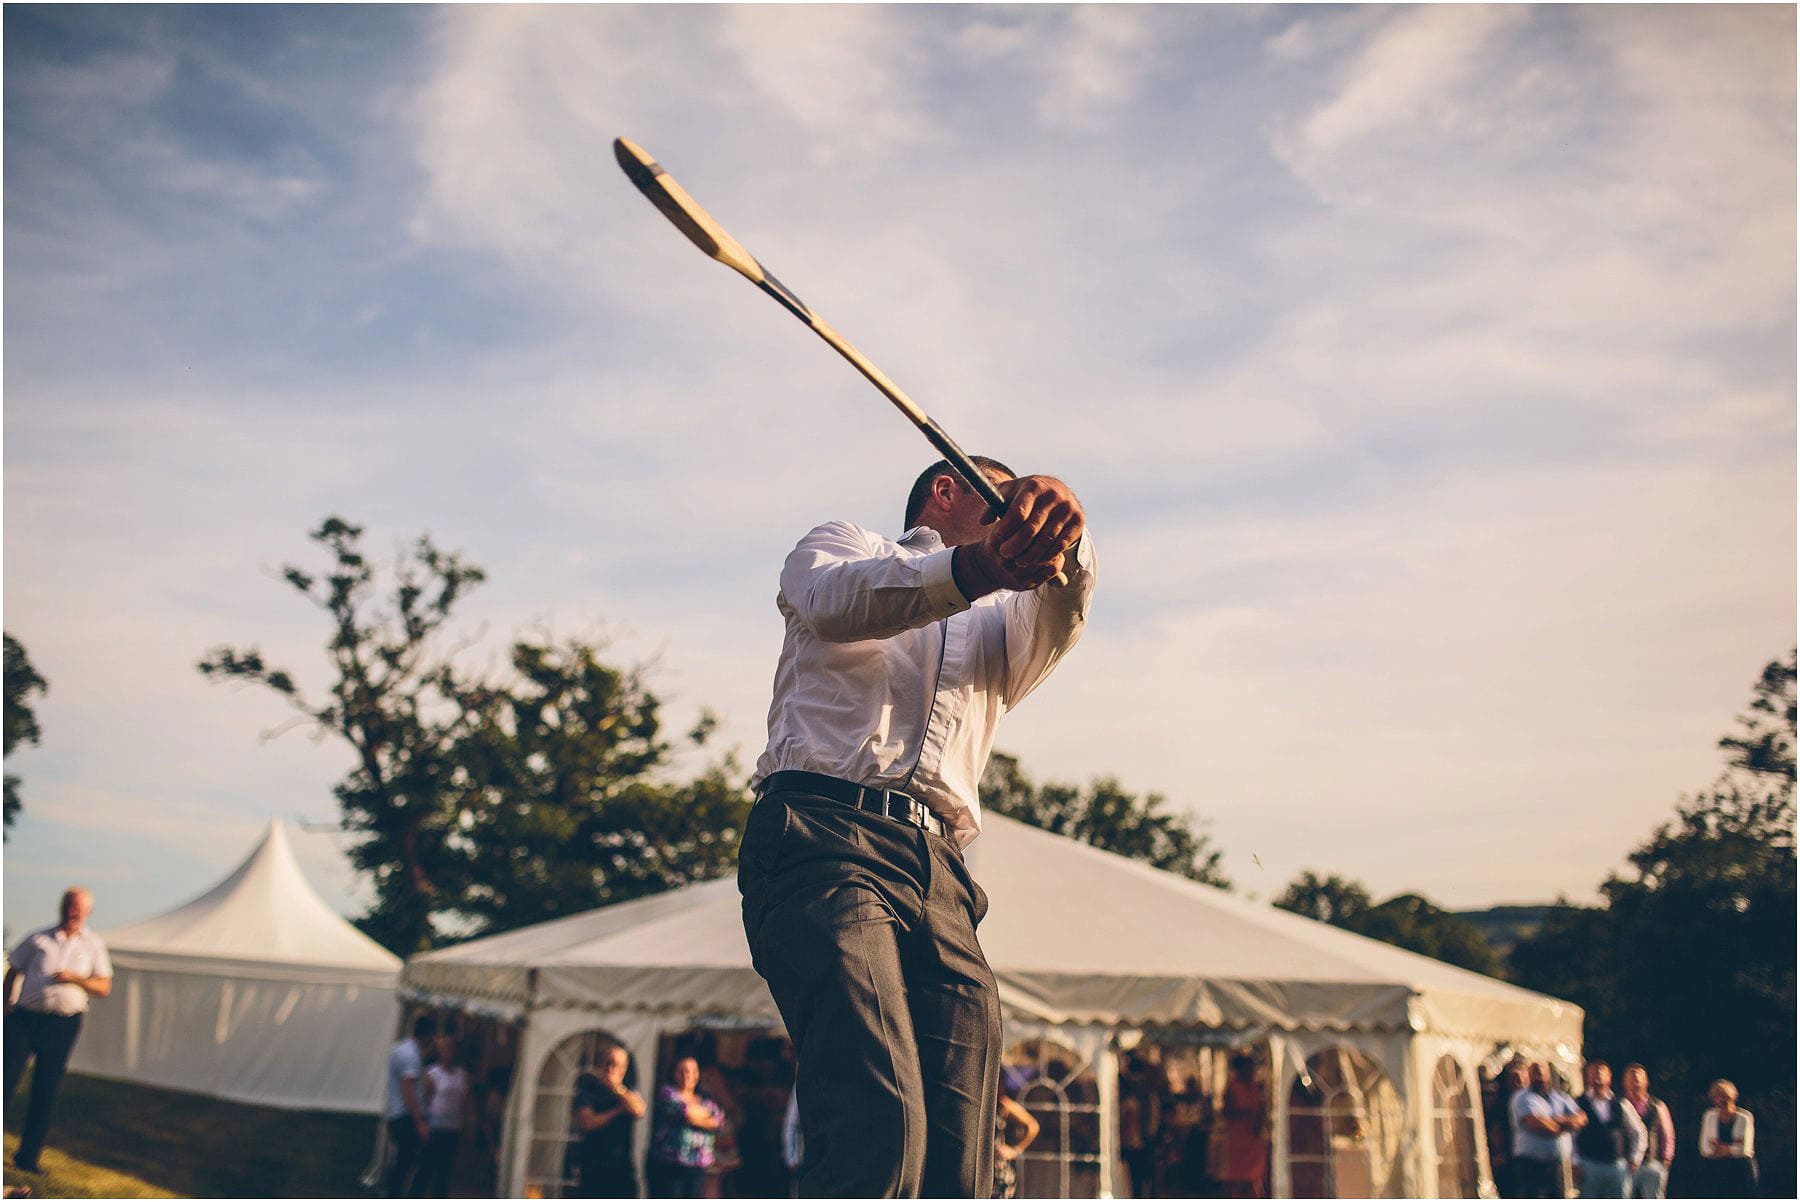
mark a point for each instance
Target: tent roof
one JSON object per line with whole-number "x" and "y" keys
{"x": 1074, "y": 934}
{"x": 263, "y": 914}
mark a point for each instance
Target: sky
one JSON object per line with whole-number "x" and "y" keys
{"x": 1427, "y": 375}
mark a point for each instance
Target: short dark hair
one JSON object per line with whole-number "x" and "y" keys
{"x": 424, "y": 1026}
{"x": 921, "y": 489}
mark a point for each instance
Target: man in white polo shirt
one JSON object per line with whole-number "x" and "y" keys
{"x": 61, "y": 967}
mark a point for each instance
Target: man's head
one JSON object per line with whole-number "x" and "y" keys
{"x": 1599, "y": 1077}
{"x": 1636, "y": 1080}
{"x": 614, "y": 1065}
{"x": 1538, "y": 1073}
{"x": 424, "y": 1027}
{"x": 941, "y": 500}
{"x": 77, "y": 904}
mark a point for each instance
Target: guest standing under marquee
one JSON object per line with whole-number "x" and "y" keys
{"x": 681, "y": 1141}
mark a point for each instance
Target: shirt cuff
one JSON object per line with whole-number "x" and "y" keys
{"x": 1083, "y": 559}
{"x": 942, "y": 597}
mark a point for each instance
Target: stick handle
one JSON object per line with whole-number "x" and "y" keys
{"x": 964, "y": 467}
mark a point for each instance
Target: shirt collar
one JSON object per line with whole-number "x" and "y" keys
{"x": 922, "y": 538}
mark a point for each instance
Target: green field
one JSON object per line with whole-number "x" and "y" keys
{"x": 113, "y": 1140}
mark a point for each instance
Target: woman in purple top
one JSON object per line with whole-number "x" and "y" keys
{"x": 681, "y": 1140}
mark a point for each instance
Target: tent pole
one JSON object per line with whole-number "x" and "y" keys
{"x": 1109, "y": 1116}
{"x": 1282, "y": 1185}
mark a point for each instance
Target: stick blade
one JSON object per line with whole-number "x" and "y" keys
{"x": 682, "y": 211}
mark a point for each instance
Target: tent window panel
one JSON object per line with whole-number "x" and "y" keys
{"x": 1060, "y": 1089}
{"x": 552, "y": 1166}
{"x": 1453, "y": 1116}
{"x": 1344, "y": 1128}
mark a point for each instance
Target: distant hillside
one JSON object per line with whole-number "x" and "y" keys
{"x": 1504, "y": 926}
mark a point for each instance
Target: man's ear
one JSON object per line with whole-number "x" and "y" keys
{"x": 945, "y": 488}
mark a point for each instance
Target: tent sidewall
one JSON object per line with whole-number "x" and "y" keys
{"x": 298, "y": 1044}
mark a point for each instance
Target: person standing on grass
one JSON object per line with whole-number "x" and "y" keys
{"x": 1728, "y": 1145}
{"x": 1652, "y": 1177}
{"x": 1612, "y": 1143}
{"x": 446, "y": 1107}
{"x": 405, "y": 1111}
{"x": 1544, "y": 1120}
{"x": 60, "y": 967}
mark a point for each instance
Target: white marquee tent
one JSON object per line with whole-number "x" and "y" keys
{"x": 255, "y": 991}
{"x": 1093, "y": 952}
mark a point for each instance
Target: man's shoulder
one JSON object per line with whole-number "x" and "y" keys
{"x": 839, "y": 531}
{"x": 34, "y": 940}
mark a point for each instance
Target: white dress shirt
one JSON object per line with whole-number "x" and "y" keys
{"x": 1741, "y": 1133}
{"x": 43, "y": 954}
{"x": 890, "y": 677}
{"x": 405, "y": 1063}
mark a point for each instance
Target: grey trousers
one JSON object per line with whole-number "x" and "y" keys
{"x": 864, "y": 928}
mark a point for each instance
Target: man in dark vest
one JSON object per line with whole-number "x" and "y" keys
{"x": 1611, "y": 1145}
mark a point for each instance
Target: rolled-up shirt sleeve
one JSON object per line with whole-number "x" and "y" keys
{"x": 1044, "y": 624}
{"x": 844, "y": 590}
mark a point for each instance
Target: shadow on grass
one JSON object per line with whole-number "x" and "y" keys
{"x": 200, "y": 1147}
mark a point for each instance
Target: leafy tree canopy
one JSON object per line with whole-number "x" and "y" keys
{"x": 1106, "y": 816}
{"x": 482, "y": 804}
{"x": 22, "y": 681}
{"x": 1406, "y": 920}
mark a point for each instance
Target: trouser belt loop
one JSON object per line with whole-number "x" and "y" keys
{"x": 890, "y": 802}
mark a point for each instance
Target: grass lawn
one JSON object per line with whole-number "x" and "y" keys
{"x": 114, "y": 1140}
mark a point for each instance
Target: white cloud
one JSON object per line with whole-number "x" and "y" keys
{"x": 1407, "y": 73}
{"x": 847, "y": 73}
{"x": 1099, "y": 64}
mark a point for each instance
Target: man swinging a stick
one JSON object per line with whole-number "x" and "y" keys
{"x": 899, "y": 659}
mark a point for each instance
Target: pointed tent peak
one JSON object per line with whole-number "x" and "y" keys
{"x": 264, "y": 910}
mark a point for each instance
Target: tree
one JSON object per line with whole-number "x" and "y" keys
{"x": 393, "y": 702}
{"x": 1410, "y": 921}
{"x": 1331, "y": 899}
{"x": 1688, "y": 963}
{"x": 1405, "y": 920}
{"x": 557, "y": 801}
{"x": 22, "y": 681}
{"x": 1105, "y": 816}
{"x": 479, "y": 805}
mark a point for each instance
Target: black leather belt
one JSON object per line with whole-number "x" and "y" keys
{"x": 890, "y": 802}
